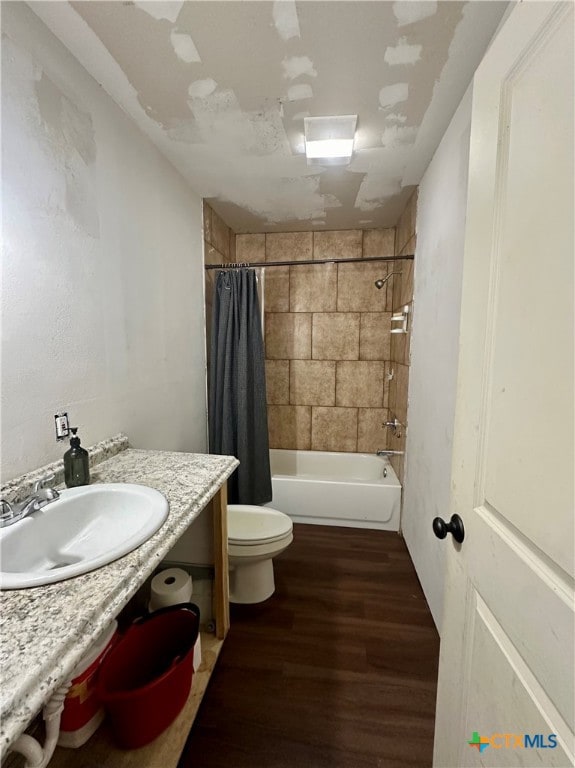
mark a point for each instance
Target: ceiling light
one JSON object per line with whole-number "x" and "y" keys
{"x": 329, "y": 140}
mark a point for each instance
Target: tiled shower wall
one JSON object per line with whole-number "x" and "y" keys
{"x": 402, "y": 294}
{"x": 219, "y": 248}
{"x": 328, "y": 346}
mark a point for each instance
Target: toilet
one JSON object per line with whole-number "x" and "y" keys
{"x": 255, "y": 536}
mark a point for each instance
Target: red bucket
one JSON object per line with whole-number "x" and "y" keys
{"x": 145, "y": 680}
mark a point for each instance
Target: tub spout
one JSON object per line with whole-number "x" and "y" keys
{"x": 388, "y": 453}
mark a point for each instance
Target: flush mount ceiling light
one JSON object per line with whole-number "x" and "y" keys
{"x": 329, "y": 140}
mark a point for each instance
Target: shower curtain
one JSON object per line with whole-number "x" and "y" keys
{"x": 238, "y": 421}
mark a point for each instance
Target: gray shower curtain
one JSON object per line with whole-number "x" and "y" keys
{"x": 237, "y": 389}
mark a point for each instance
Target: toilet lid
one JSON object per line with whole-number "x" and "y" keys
{"x": 256, "y": 525}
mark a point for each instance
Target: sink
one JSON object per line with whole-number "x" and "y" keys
{"x": 84, "y": 529}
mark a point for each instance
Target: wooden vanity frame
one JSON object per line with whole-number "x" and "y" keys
{"x": 165, "y": 751}
{"x": 219, "y": 506}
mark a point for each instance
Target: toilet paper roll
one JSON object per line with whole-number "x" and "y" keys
{"x": 170, "y": 587}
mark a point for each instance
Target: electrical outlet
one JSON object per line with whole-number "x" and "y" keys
{"x": 62, "y": 425}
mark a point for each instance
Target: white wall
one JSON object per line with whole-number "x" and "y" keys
{"x": 102, "y": 297}
{"x": 442, "y": 203}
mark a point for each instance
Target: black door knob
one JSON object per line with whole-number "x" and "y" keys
{"x": 454, "y": 527}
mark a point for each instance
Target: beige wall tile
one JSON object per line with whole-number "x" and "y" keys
{"x": 374, "y": 340}
{"x": 213, "y": 256}
{"x": 402, "y": 284}
{"x": 392, "y": 400}
{"x": 409, "y": 248}
{"x": 407, "y": 346}
{"x": 277, "y": 382}
{"x": 397, "y": 443}
{"x": 378, "y": 242}
{"x": 412, "y": 226}
{"x": 387, "y": 368}
{"x": 394, "y": 272}
{"x": 314, "y": 331}
{"x": 312, "y": 382}
{"x": 401, "y": 234}
{"x": 334, "y": 429}
{"x": 342, "y": 244}
{"x": 220, "y": 235}
{"x": 359, "y": 384}
{"x": 289, "y": 246}
{"x": 207, "y": 222}
{"x": 398, "y": 341}
{"x": 371, "y": 434}
{"x": 405, "y": 294}
{"x": 290, "y": 426}
{"x": 210, "y": 281}
{"x": 250, "y": 248}
{"x": 406, "y": 225}
{"x": 394, "y": 285}
{"x": 356, "y": 291}
{"x": 288, "y": 336}
{"x": 335, "y": 336}
{"x": 276, "y": 289}
{"x": 313, "y": 289}
{"x": 400, "y": 391}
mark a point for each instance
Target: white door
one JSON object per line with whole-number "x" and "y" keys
{"x": 506, "y": 664}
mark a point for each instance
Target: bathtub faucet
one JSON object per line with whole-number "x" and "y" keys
{"x": 388, "y": 453}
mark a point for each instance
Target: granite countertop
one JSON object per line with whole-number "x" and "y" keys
{"x": 46, "y": 630}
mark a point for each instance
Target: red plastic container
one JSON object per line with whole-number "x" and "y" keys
{"x": 83, "y": 711}
{"x": 145, "y": 680}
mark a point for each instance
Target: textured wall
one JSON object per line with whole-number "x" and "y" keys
{"x": 102, "y": 297}
{"x": 402, "y": 295}
{"x": 327, "y": 338}
{"x": 435, "y": 348}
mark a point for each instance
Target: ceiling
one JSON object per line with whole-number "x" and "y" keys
{"x": 222, "y": 87}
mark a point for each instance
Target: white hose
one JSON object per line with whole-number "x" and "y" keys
{"x": 29, "y": 747}
{"x": 37, "y": 756}
{"x": 52, "y": 714}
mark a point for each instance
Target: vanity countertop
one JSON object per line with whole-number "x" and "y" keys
{"x": 46, "y": 630}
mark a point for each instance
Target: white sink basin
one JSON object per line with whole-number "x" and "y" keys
{"x": 84, "y": 529}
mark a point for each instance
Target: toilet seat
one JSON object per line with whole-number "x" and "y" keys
{"x": 249, "y": 525}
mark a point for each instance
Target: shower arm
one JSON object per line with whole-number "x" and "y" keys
{"x": 383, "y": 280}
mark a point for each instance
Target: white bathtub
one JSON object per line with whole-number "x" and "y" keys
{"x": 359, "y": 490}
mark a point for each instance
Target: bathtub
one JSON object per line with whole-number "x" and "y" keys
{"x": 359, "y": 490}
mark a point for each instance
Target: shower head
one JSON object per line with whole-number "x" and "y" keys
{"x": 382, "y": 281}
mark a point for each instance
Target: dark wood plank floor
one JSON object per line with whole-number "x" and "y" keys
{"x": 337, "y": 670}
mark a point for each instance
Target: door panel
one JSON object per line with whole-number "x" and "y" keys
{"x": 532, "y": 317}
{"x": 541, "y": 637}
{"x": 506, "y": 659}
{"x": 499, "y": 673}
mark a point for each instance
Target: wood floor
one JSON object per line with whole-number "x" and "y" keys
{"x": 337, "y": 670}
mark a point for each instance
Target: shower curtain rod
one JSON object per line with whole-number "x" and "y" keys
{"x": 266, "y": 264}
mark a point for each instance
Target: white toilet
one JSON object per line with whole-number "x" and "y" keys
{"x": 255, "y": 536}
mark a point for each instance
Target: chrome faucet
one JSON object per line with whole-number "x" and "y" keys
{"x": 12, "y": 513}
{"x": 388, "y": 453}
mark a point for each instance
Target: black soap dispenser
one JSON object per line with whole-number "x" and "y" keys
{"x": 76, "y": 464}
